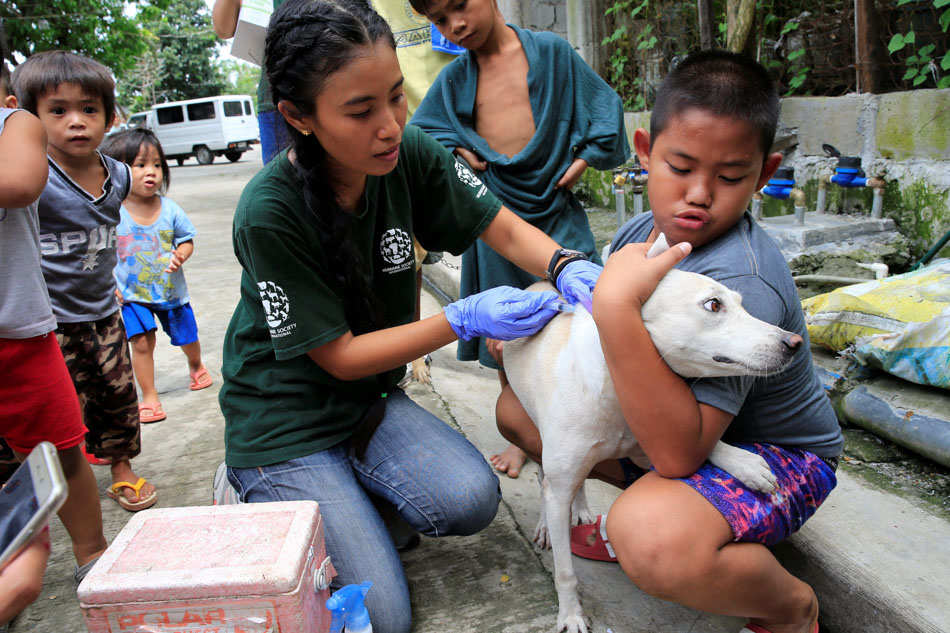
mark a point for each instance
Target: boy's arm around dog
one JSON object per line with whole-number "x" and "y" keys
{"x": 675, "y": 431}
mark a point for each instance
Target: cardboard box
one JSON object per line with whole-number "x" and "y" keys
{"x": 248, "y": 42}
{"x": 249, "y": 568}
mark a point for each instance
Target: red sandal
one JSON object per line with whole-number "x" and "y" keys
{"x": 589, "y": 540}
{"x": 196, "y": 377}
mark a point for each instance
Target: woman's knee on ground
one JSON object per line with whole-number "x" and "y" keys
{"x": 468, "y": 506}
{"x": 389, "y": 608}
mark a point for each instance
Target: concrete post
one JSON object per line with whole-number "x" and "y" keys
{"x": 585, "y": 30}
{"x": 514, "y": 12}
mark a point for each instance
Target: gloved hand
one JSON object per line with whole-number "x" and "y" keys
{"x": 576, "y": 282}
{"x": 502, "y": 313}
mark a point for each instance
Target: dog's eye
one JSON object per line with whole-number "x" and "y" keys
{"x": 713, "y": 305}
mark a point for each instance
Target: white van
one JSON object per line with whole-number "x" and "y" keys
{"x": 204, "y": 128}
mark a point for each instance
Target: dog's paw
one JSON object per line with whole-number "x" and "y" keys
{"x": 541, "y": 534}
{"x": 420, "y": 370}
{"x": 754, "y": 473}
{"x": 573, "y": 623}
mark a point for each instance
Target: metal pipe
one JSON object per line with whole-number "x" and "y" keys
{"x": 877, "y": 204}
{"x": 822, "y": 193}
{"x": 621, "y": 206}
{"x": 798, "y": 199}
{"x": 639, "y": 184}
{"x": 757, "y": 206}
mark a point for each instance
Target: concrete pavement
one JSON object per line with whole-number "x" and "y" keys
{"x": 879, "y": 563}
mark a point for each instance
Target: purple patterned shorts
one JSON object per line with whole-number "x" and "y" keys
{"x": 804, "y": 481}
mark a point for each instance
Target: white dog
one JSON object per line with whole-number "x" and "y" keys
{"x": 560, "y": 376}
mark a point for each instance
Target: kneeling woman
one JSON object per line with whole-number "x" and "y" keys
{"x": 323, "y": 329}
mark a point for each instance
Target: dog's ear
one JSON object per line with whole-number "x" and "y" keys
{"x": 659, "y": 246}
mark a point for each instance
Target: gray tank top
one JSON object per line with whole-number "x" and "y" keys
{"x": 25, "y": 309}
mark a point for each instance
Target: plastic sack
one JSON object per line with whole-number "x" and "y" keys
{"x": 899, "y": 324}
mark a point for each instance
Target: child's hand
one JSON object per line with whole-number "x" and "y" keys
{"x": 497, "y": 350}
{"x": 629, "y": 277}
{"x": 572, "y": 174}
{"x": 477, "y": 163}
{"x": 175, "y": 262}
{"x": 118, "y": 297}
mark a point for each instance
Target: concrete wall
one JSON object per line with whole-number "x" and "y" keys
{"x": 902, "y": 137}
{"x": 537, "y": 15}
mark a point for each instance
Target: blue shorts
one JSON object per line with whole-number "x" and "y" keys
{"x": 804, "y": 481}
{"x": 179, "y": 323}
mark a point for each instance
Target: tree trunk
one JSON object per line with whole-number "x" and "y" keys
{"x": 740, "y": 15}
{"x": 864, "y": 39}
{"x": 704, "y": 9}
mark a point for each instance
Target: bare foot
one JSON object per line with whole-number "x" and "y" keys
{"x": 509, "y": 461}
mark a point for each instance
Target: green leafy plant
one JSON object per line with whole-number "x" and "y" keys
{"x": 922, "y": 63}
{"x": 621, "y": 68}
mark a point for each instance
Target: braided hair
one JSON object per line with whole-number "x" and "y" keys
{"x": 307, "y": 42}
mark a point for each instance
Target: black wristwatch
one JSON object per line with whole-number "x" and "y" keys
{"x": 554, "y": 270}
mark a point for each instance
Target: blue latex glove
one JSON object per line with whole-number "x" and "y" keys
{"x": 502, "y": 313}
{"x": 576, "y": 282}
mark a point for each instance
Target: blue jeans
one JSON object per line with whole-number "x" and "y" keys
{"x": 274, "y": 135}
{"x": 433, "y": 477}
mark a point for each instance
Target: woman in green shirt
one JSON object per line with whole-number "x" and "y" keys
{"x": 323, "y": 329}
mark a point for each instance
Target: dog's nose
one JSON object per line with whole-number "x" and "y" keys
{"x": 793, "y": 342}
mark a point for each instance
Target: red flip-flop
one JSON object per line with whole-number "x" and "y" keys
{"x": 92, "y": 459}
{"x": 589, "y": 540}
{"x": 151, "y": 412}
{"x": 196, "y": 377}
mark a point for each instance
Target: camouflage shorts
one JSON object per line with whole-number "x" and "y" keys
{"x": 97, "y": 357}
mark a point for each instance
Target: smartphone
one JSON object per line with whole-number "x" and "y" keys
{"x": 32, "y": 495}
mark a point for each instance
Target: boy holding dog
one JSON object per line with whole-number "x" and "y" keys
{"x": 707, "y": 152}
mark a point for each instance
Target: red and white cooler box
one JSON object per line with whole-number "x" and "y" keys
{"x": 248, "y": 568}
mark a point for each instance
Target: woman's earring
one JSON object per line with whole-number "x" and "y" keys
{"x": 305, "y": 132}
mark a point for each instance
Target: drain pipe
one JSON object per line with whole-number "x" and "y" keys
{"x": 828, "y": 279}
{"x": 917, "y": 431}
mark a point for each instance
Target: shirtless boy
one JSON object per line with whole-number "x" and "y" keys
{"x": 529, "y": 116}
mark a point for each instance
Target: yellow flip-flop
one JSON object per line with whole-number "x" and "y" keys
{"x": 123, "y": 501}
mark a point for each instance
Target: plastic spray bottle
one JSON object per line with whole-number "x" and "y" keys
{"x": 347, "y": 608}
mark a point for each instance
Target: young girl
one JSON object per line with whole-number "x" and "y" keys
{"x": 154, "y": 240}
{"x": 324, "y": 325}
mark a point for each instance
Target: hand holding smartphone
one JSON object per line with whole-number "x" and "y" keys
{"x": 32, "y": 495}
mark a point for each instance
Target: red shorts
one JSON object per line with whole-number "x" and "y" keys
{"x": 37, "y": 398}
